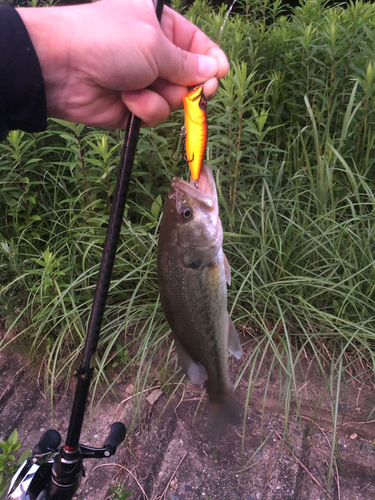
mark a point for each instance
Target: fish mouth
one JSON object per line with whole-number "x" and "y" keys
{"x": 203, "y": 190}
{"x": 206, "y": 181}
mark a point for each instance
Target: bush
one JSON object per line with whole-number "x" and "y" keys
{"x": 291, "y": 135}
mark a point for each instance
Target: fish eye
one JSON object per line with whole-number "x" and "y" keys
{"x": 186, "y": 213}
{"x": 203, "y": 103}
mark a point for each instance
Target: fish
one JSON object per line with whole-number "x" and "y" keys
{"x": 195, "y": 106}
{"x": 193, "y": 274}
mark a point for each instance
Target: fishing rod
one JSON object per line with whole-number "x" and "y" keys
{"x": 54, "y": 472}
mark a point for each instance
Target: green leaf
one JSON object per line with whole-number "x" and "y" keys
{"x": 25, "y": 455}
{"x": 12, "y": 440}
{"x": 5, "y": 447}
{"x": 156, "y": 207}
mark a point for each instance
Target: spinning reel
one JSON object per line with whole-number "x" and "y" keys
{"x": 54, "y": 472}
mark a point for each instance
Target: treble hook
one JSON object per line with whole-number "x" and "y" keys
{"x": 183, "y": 144}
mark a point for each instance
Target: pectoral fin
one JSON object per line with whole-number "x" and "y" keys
{"x": 227, "y": 270}
{"x": 194, "y": 371}
{"x": 234, "y": 345}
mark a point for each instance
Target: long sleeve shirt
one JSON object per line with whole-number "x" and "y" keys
{"x": 22, "y": 90}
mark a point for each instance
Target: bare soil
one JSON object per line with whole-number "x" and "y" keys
{"x": 168, "y": 453}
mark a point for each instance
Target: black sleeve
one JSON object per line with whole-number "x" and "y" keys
{"x": 22, "y": 91}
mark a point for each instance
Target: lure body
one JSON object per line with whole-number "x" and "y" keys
{"x": 195, "y": 106}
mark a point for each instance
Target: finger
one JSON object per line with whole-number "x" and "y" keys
{"x": 188, "y": 37}
{"x": 183, "y": 68}
{"x": 149, "y": 106}
{"x": 210, "y": 88}
{"x": 221, "y": 58}
{"x": 108, "y": 112}
{"x": 172, "y": 93}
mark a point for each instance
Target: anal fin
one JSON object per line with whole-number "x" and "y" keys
{"x": 195, "y": 371}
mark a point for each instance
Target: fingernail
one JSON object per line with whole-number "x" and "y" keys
{"x": 207, "y": 66}
{"x": 211, "y": 96}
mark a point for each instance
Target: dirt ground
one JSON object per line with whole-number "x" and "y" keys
{"x": 168, "y": 453}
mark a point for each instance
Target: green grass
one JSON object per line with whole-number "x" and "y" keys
{"x": 291, "y": 143}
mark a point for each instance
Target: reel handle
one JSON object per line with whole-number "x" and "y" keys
{"x": 49, "y": 442}
{"x": 116, "y": 436}
{"x": 67, "y": 468}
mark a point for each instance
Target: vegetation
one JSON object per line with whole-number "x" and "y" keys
{"x": 291, "y": 142}
{"x": 8, "y": 462}
{"x": 119, "y": 492}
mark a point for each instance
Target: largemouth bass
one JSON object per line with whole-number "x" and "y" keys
{"x": 195, "y": 106}
{"x": 193, "y": 275}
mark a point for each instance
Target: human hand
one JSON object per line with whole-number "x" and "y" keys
{"x": 102, "y": 60}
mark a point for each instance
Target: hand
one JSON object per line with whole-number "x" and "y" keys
{"x": 102, "y": 60}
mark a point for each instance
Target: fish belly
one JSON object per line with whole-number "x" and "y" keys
{"x": 195, "y": 304}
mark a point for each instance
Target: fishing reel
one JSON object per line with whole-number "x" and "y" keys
{"x": 54, "y": 472}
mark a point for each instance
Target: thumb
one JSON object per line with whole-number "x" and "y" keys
{"x": 184, "y": 68}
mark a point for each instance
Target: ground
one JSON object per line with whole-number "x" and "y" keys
{"x": 169, "y": 454}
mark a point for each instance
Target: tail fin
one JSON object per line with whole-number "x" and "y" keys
{"x": 223, "y": 413}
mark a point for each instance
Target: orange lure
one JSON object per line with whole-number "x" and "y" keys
{"x": 196, "y": 129}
